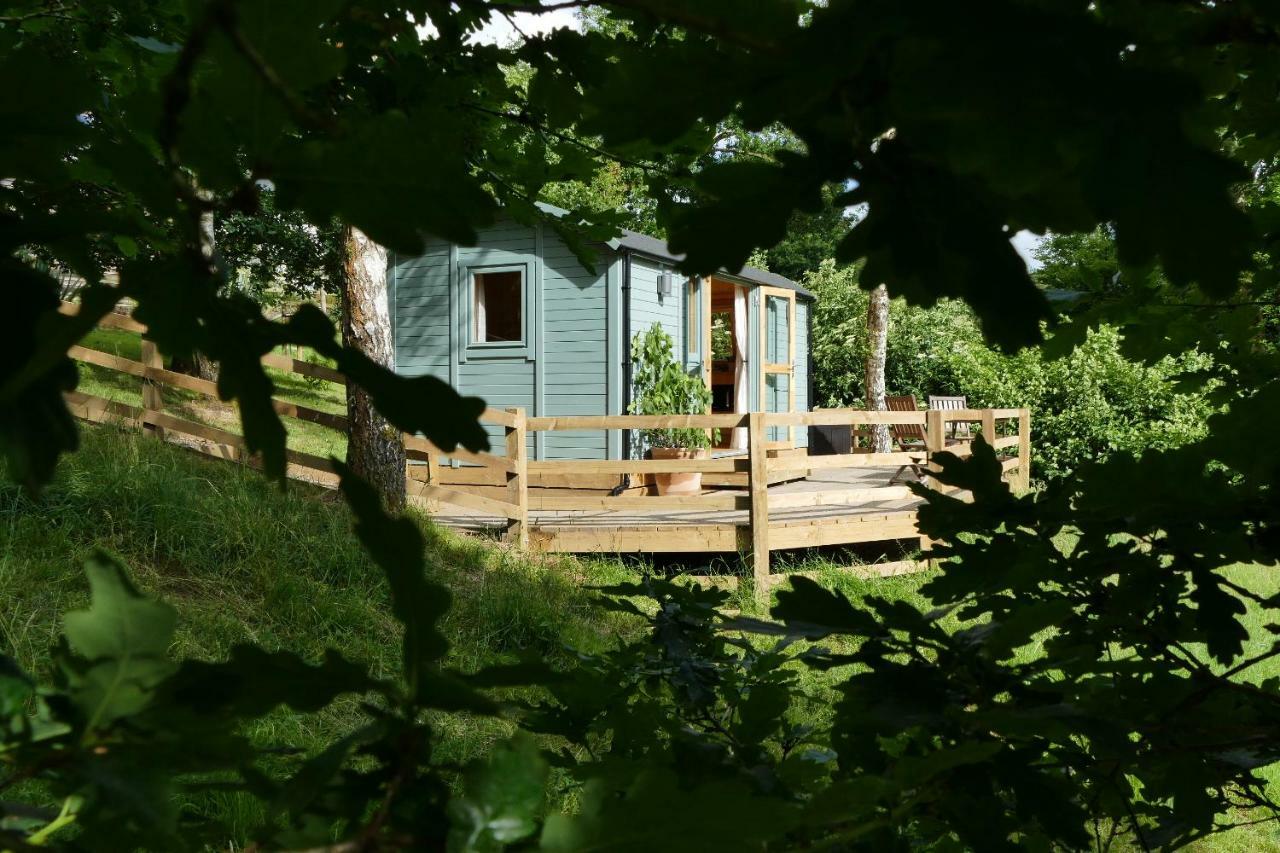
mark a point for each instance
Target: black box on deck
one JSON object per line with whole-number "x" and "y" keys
{"x": 830, "y": 440}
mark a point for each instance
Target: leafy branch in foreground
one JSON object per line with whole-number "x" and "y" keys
{"x": 124, "y": 732}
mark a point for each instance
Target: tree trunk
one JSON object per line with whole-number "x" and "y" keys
{"x": 205, "y": 367}
{"x": 878, "y": 336}
{"x": 375, "y": 449}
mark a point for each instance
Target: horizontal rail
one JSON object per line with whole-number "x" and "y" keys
{"x": 230, "y": 439}
{"x": 950, "y": 415}
{"x": 673, "y": 538}
{"x": 840, "y": 417}
{"x": 726, "y": 465}
{"x": 499, "y": 417}
{"x": 486, "y": 460}
{"x": 1007, "y": 413}
{"x": 111, "y": 320}
{"x": 844, "y": 460}
{"x": 1005, "y": 441}
{"x": 279, "y": 362}
{"x": 624, "y": 502}
{"x": 548, "y": 424}
{"x": 901, "y": 525}
{"x": 423, "y": 491}
{"x": 197, "y": 385}
{"x": 838, "y": 497}
{"x": 306, "y": 368}
{"x": 101, "y": 410}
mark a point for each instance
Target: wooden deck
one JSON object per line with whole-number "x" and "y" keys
{"x": 755, "y": 502}
{"x": 865, "y": 487}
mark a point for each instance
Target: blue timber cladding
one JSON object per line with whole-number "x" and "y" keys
{"x": 649, "y": 307}
{"x": 563, "y": 367}
{"x": 575, "y": 334}
{"x": 420, "y": 312}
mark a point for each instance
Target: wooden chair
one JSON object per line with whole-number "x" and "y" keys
{"x": 959, "y": 429}
{"x": 908, "y": 437}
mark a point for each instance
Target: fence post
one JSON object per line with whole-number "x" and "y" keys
{"x": 759, "y": 492}
{"x": 989, "y": 427}
{"x": 152, "y": 396}
{"x": 518, "y": 481}
{"x": 935, "y": 439}
{"x": 1024, "y": 449}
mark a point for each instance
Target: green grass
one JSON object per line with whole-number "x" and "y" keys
{"x": 1262, "y": 580}
{"x": 247, "y": 561}
{"x": 244, "y": 560}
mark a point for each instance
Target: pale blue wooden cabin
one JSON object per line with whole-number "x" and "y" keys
{"x": 517, "y": 320}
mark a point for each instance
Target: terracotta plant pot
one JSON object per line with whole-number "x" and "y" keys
{"x": 685, "y": 483}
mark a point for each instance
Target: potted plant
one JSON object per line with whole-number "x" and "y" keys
{"x": 661, "y": 386}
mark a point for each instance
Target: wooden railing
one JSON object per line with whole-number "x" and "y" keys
{"x": 508, "y": 486}
{"x": 764, "y": 467}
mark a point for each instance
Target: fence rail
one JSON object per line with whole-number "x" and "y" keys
{"x": 498, "y": 483}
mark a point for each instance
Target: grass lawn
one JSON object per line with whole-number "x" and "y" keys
{"x": 247, "y": 561}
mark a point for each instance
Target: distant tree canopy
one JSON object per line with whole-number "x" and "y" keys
{"x": 271, "y": 251}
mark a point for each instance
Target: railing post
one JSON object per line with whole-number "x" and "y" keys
{"x": 989, "y": 427}
{"x": 152, "y": 397}
{"x": 1024, "y": 449}
{"x": 759, "y": 492}
{"x": 518, "y": 481}
{"x": 935, "y": 439}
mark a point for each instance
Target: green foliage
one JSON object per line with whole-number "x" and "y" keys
{"x": 1087, "y": 405}
{"x": 922, "y": 342}
{"x": 244, "y": 561}
{"x": 1138, "y": 713}
{"x": 662, "y": 386}
{"x": 1093, "y": 403}
{"x": 811, "y": 238}
{"x": 273, "y": 252}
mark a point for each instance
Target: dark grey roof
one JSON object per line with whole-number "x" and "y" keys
{"x": 654, "y": 248}
{"x": 634, "y": 241}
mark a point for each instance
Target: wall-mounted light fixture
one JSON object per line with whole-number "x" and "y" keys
{"x": 666, "y": 281}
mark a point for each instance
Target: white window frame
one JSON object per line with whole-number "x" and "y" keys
{"x": 522, "y": 348}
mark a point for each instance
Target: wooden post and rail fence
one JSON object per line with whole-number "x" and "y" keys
{"x": 553, "y": 505}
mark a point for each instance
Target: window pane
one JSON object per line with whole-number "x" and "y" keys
{"x": 499, "y": 307}
{"x": 777, "y": 398}
{"x": 777, "y": 325}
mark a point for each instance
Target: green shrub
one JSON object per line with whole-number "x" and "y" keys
{"x": 664, "y": 387}
{"x": 1086, "y": 406}
{"x": 1090, "y": 404}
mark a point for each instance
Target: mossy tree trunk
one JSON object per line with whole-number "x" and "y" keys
{"x": 375, "y": 449}
{"x": 877, "y": 352}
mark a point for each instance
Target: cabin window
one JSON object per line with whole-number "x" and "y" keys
{"x": 497, "y": 307}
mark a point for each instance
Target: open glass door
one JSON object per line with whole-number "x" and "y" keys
{"x": 777, "y": 377}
